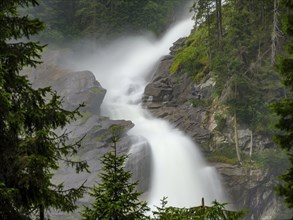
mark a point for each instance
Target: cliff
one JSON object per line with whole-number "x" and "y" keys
{"x": 191, "y": 107}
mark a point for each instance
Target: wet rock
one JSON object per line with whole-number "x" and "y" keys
{"x": 173, "y": 98}
{"x": 176, "y": 45}
{"x": 169, "y": 98}
{"x": 160, "y": 90}
{"x": 139, "y": 163}
{"x": 76, "y": 87}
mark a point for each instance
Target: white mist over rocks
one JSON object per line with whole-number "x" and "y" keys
{"x": 179, "y": 170}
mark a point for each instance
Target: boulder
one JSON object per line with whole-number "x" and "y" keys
{"x": 78, "y": 87}
{"x": 75, "y": 87}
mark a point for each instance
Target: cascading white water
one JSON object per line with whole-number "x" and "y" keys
{"x": 179, "y": 170}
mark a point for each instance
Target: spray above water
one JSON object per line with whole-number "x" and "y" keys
{"x": 179, "y": 170}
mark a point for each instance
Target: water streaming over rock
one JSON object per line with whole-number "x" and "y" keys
{"x": 179, "y": 170}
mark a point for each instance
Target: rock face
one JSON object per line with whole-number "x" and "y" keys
{"x": 139, "y": 163}
{"x": 74, "y": 87}
{"x": 251, "y": 189}
{"x": 188, "y": 107}
{"x": 168, "y": 97}
{"x": 82, "y": 87}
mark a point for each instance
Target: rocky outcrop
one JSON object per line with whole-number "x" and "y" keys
{"x": 191, "y": 108}
{"x": 251, "y": 189}
{"x": 92, "y": 128}
{"x": 75, "y": 87}
{"x": 169, "y": 98}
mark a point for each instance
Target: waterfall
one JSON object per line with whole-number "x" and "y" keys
{"x": 179, "y": 170}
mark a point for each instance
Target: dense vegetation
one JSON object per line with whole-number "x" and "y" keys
{"x": 240, "y": 57}
{"x": 30, "y": 150}
{"x": 284, "y": 108}
{"x": 99, "y": 20}
{"x": 236, "y": 44}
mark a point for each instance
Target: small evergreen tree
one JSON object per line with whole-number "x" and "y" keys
{"x": 215, "y": 212}
{"x": 115, "y": 197}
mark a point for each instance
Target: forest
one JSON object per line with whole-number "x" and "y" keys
{"x": 245, "y": 46}
{"x": 100, "y": 20}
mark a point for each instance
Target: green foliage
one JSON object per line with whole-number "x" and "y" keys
{"x": 284, "y": 108}
{"x": 7, "y": 203}
{"x": 274, "y": 159}
{"x": 215, "y": 212}
{"x": 223, "y": 154}
{"x": 246, "y": 81}
{"x": 115, "y": 196}
{"x": 221, "y": 122}
{"x": 74, "y": 19}
{"x": 29, "y": 148}
{"x": 193, "y": 57}
{"x": 239, "y": 72}
{"x": 202, "y": 11}
{"x": 184, "y": 57}
{"x": 195, "y": 102}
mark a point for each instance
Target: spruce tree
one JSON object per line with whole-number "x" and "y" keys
{"x": 29, "y": 147}
{"x": 284, "y": 108}
{"x": 115, "y": 196}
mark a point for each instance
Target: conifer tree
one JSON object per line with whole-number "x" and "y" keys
{"x": 29, "y": 147}
{"x": 115, "y": 196}
{"x": 215, "y": 212}
{"x": 284, "y": 108}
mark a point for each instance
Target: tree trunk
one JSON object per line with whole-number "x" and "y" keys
{"x": 275, "y": 32}
{"x": 72, "y": 11}
{"x": 219, "y": 20}
{"x": 42, "y": 213}
{"x": 94, "y": 28}
{"x": 236, "y": 139}
{"x": 209, "y": 38}
{"x": 250, "y": 146}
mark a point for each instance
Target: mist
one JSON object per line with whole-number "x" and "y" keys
{"x": 124, "y": 67}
